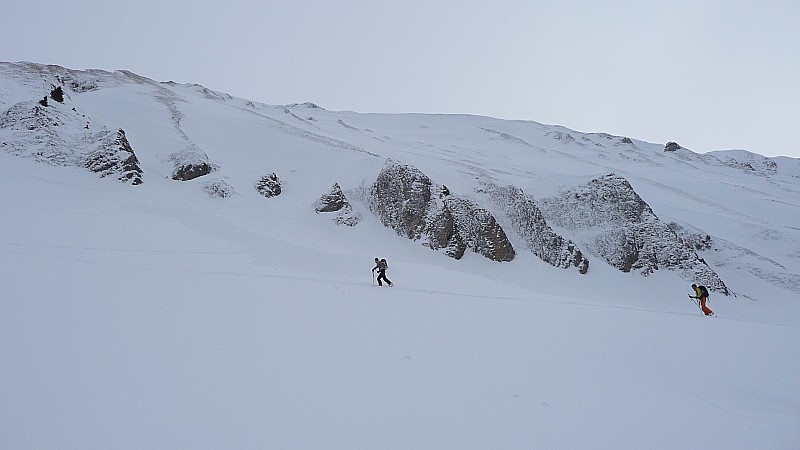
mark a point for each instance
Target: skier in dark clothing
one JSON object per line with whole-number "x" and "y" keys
{"x": 381, "y": 266}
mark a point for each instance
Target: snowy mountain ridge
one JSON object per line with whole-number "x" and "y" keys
{"x": 62, "y": 133}
{"x": 184, "y": 268}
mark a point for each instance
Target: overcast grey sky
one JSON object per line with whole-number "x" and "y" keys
{"x": 709, "y": 74}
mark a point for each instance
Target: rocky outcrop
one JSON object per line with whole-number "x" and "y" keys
{"x": 57, "y": 94}
{"x": 269, "y": 185}
{"x": 407, "y": 201}
{"x": 30, "y": 130}
{"x": 529, "y": 222}
{"x": 335, "y": 203}
{"x": 748, "y": 162}
{"x": 617, "y": 225}
{"x": 113, "y": 156}
{"x": 186, "y": 172}
{"x": 672, "y": 147}
{"x": 401, "y": 197}
{"x": 460, "y": 224}
{"x": 190, "y": 164}
{"x": 59, "y": 135}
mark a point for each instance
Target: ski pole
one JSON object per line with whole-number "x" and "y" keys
{"x": 696, "y": 303}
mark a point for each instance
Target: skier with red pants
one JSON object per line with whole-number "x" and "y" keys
{"x": 701, "y": 293}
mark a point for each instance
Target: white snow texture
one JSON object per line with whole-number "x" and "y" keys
{"x": 203, "y": 314}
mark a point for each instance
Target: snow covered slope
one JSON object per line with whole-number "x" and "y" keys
{"x": 203, "y": 314}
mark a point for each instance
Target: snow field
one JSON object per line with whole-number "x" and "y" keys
{"x": 165, "y": 320}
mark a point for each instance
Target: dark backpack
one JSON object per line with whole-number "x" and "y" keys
{"x": 383, "y": 264}
{"x": 704, "y": 291}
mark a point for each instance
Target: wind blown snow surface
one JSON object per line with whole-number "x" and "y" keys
{"x": 157, "y": 316}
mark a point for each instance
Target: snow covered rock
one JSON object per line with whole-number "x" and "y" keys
{"x": 529, "y": 222}
{"x": 695, "y": 238}
{"x": 333, "y": 201}
{"x": 615, "y": 224}
{"x": 336, "y": 202}
{"x": 30, "y": 130}
{"x": 269, "y": 185}
{"x": 407, "y": 201}
{"x": 190, "y": 164}
{"x": 218, "y": 188}
{"x": 400, "y": 197}
{"x": 113, "y": 156}
{"x": 59, "y": 135}
{"x": 308, "y": 105}
{"x": 747, "y": 161}
{"x": 672, "y": 147}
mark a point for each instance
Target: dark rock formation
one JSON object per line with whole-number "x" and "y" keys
{"x": 618, "y": 226}
{"x": 333, "y": 201}
{"x": 460, "y": 224}
{"x": 188, "y": 172}
{"x": 529, "y": 222}
{"x": 190, "y": 164}
{"x": 400, "y": 197}
{"x": 269, "y": 185}
{"x": 407, "y": 201}
{"x": 114, "y": 156}
{"x": 57, "y": 94}
{"x": 336, "y": 202}
{"x": 672, "y": 147}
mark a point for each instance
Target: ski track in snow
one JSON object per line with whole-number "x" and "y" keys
{"x": 305, "y": 134}
{"x": 119, "y": 250}
{"x": 334, "y": 281}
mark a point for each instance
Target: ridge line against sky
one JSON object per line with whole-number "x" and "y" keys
{"x": 708, "y": 74}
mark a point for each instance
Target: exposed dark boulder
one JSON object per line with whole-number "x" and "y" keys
{"x": 401, "y": 197}
{"x": 407, "y": 201}
{"x": 57, "y": 94}
{"x": 336, "y": 202}
{"x": 269, "y": 185}
{"x": 188, "y": 172}
{"x": 442, "y": 234}
{"x": 333, "y": 201}
{"x": 475, "y": 228}
{"x": 190, "y": 164}
{"x": 672, "y": 147}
